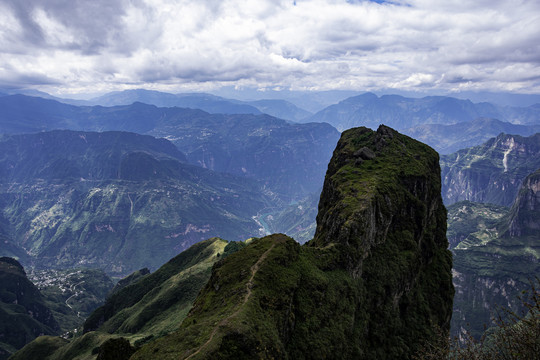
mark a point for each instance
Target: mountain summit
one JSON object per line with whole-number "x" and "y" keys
{"x": 372, "y": 283}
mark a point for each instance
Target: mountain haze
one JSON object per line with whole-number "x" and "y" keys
{"x": 447, "y": 139}
{"x": 246, "y": 145}
{"x": 115, "y": 200}
{"x": 402, "y": 113}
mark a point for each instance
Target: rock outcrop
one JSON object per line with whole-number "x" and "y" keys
{"x": 524, "y": 218}
{"x": 372, "y": 284}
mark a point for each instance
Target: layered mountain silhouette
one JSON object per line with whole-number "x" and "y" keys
{"x": 245, "y": 145}
{"x": 115, "y": 200}
{"x": 447, "y": 139}
{"x": 403, "y": 113}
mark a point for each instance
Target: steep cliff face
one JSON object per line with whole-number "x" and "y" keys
{"x": 524, "y": 217}
{"x": 388, "y": 187}
{"x": 23, "y": 313}
{"x": 370, "y": 285}
{"x": 491, "y": 172}
{"x": 494, "y": 264}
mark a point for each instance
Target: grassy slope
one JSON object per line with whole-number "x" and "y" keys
{"x": 144, "y": 310}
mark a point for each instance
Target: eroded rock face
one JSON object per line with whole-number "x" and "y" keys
{"x": 492, "y": 172}
{"x": 393, "y": 192}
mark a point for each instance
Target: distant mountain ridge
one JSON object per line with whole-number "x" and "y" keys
{"x": 115, "y": 200}
{"x": 241, "y": 144}
{"x": 492, "y": 172}
{"x": 447, "y": 139}
{"x": 213, "y": 104}
{"x": 402, "y": 113}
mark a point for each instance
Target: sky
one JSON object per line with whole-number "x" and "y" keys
{"x": 71, "y": 47}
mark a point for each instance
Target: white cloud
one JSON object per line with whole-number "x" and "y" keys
{"x": 315, "y": 44}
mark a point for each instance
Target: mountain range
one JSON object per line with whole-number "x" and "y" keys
{"x": 245, "y": 145}
{"x": 213, "y": 104}
{"x": 372, "y": 283}
{"x": 122, "y": 201}
{"x": 403, "y": 113}
{"x": 115, "y": 200}
{"x": 447, "y": 139}
{"x": 495, "y": 258}
{"x": 492, "y": 172}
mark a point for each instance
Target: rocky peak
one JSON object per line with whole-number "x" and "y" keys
{"x": 380, "y": 183}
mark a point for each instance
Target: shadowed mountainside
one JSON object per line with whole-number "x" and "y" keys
{"x": 23, "y": 312}
{"x": 241, "y": 144}
{"x": 496, "y": 259}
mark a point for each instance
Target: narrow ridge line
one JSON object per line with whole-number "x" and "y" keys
{"x": 249, "y": 285}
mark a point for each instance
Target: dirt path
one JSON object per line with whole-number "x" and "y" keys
{"x": 72, "y": 288}
{"x": 249, "y": 285}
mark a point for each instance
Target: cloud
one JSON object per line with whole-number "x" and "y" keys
{"x": 312, "y": 44}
